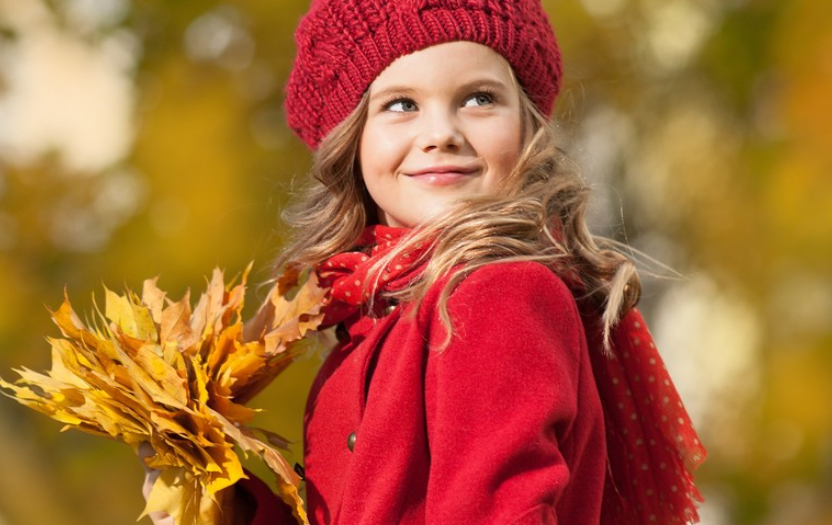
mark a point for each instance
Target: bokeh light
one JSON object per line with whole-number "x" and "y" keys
{"x": 148, "y": 138}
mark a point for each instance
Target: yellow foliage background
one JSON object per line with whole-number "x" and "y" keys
{"x": 145, "y": 138}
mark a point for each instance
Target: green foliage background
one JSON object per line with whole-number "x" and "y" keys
{"x": 706, "y": 122}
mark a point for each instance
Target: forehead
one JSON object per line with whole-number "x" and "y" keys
{"x": 446, "y": 64}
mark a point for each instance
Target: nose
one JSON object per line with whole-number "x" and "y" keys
{"x": 440, "y": 131}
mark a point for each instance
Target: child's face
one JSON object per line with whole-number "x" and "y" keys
{"x": 444, "y": 123}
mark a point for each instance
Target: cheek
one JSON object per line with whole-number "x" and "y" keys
{"x": 380, "y": 154}
{"x": 504, "y": 146}
{"x": 377, "y": 161}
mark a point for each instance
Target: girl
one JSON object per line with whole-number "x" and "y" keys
{"x": 491, "y": 367}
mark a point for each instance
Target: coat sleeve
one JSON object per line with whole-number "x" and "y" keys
{"x": 264, "y": 506}
{"x": 501, "y": 398}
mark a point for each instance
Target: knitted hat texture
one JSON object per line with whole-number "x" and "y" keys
{"x": 343, "y": 45}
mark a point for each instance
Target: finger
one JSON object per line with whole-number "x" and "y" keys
{"x": 161, "y": 518}
{"x": 149, "y": 480}
{"x": 145, "y": 450}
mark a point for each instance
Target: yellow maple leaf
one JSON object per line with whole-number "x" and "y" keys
{"x": 159, "y": 371}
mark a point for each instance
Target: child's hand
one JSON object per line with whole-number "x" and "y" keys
{"x": 233, "y": 511}
{"x": 158, "y": 518}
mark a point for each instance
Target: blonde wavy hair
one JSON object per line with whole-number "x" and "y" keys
{"x": 537, "y": 215}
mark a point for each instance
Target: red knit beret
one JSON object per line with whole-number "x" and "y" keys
{"x": 343, "y": 45}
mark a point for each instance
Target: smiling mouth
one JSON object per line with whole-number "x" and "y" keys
{"x": 443, "y": 175}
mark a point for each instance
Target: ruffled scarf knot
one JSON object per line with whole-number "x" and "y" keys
{"x": 354, "y": 278}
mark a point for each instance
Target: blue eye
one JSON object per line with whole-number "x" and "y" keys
{"x": 402, "y": 105}
{"x": 479, "y": 99}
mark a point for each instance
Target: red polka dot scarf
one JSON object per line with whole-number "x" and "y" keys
{"x": 652, "y": 447}
{"x": 349, "y": 274}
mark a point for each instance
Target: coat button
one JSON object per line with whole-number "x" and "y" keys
{"x": 351, "y": 441}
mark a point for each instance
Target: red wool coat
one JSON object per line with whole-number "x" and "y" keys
{"x": 503, "y": 426}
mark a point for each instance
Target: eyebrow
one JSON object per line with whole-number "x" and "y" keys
{"x": 393, "y": 90}
{"x": 402, "y": 90}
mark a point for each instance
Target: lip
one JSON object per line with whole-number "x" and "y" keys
{"x": 442, "y": 175}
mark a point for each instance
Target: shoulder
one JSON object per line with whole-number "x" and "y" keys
{"x": 517, "y": 296}
{"x": 525, "y": 280}
{"x": 514, "y": 320}
{"x": 497, "y": 286}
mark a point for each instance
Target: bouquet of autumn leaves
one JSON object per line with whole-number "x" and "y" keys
{"x": 153, "y": 370}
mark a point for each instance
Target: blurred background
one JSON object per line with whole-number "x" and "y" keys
{"x": 142, "y": 138}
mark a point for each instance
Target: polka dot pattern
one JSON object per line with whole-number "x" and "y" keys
{"x": 652, "y": 447}
{"x": 350, "y": 280}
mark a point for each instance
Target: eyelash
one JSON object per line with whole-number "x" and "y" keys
{"x": 386, "y": 106}
{"x": 485, "y": 91}
{"x": 488, "y": 92}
